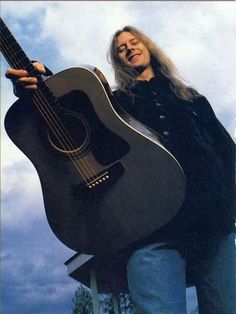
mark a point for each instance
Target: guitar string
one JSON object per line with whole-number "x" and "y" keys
{"x": 88, "y": 167}
{"x": 92, "y": 174}
{"x": 75, "y": 154}
{"x": 37, "y": 106}
{"x": 45, "y": 117}
{"x": 64, "y": 134}
{"x": 70, "y": 141}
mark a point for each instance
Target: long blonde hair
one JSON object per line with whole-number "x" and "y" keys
{"x": 161, "y": 64}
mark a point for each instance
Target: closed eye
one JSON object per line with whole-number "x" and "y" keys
{"x": 134, "y": 41}
{"x": 122, "y": 48}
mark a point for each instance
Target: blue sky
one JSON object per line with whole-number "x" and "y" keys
{"x": 200, "y": 39}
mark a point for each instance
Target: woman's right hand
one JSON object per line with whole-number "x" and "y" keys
{"x": 22, "y": 81}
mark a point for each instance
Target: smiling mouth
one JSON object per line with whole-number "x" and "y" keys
{"x": 130, "y": 58}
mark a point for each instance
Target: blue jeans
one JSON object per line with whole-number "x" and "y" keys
{"x": 157, "y": 278}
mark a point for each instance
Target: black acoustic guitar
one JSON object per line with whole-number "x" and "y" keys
{"x": 107, "y": 180}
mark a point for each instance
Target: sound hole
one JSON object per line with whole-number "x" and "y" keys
{"x": 74, "y": 135}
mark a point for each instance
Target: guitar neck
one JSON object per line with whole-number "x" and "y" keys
{"x": 13, "y": 52}
{"x": 17, "y": 59}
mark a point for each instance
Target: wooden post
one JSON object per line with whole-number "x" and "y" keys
{"x": 94, "y": 291}
{"x": 115, "y": 304}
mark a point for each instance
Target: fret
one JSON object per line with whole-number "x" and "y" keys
{"x": 9, "y": 37}
{"x": 17, "y": 59}
{"x": 11, "y": 45}
{"x": 19, "y": 54}
{"x": 12, "y": 51}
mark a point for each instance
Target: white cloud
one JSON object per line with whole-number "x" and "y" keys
{"x": 21, "y": 192}
{"x": 21, "y": 196}
{"x": 24, "y": 10}
{"x": 81, "y": 31}
{"x": 200, "y": 38}
{"x": 34, "y": 271}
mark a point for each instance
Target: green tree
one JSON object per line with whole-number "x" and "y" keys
{"x": 107, "y": 304}
{"x": 82, "y": 301}
{"x": 125, "y": 304}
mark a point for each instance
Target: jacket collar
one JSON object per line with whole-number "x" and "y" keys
{"x": 157, "y": 84}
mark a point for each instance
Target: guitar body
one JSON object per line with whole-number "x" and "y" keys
{"x": 125, "y": 184}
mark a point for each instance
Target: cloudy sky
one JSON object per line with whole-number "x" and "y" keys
{"x": 200, "y": 39}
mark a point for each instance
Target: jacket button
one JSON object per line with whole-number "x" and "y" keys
{"x": 166, "y": 133}
{"x": 158, "y": 104}
{"x": 162, "y": 116}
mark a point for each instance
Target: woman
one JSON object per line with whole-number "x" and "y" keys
{"x": 197, "y": 246}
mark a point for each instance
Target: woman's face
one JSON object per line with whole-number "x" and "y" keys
{"x": 132, "y": 51}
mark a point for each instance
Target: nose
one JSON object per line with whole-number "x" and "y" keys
{"x": 129, "y": 45}
{"x": 129, "y": 48}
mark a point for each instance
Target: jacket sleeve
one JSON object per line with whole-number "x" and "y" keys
{"x": 222, "y": 141}
{"x": 48, "y": 72}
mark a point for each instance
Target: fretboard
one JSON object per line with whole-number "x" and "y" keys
{"x": 17, "y": 59}
{"x": 13, "y": 52}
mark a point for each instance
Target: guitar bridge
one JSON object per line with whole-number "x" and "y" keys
{"x": 102, "y": 179}
{"x": 98, "y": 180}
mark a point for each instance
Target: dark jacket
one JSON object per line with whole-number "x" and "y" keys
{"x": 204, "y": 149}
